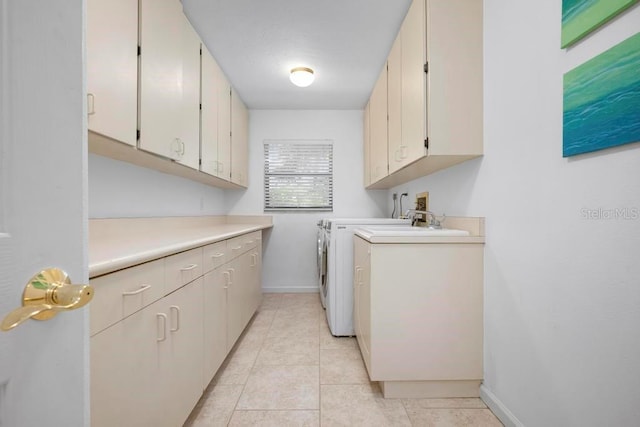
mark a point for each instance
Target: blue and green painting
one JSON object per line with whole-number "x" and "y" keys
{"x": 601, "y": 102}
{"x": 580, "y": 17}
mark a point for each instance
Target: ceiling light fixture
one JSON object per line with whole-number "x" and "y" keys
{"x": 301, "y": 76}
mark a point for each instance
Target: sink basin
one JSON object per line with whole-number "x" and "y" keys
{"x": 408, "y": 231}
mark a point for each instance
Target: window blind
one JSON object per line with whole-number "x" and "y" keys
{"x": 298, "y": 175}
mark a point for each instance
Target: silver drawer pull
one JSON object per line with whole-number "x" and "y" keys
{"x": 139, "y": 291}
{"x": 217, "y": 255}
{"x": 189, "y": 268}
{"x": 235, "y": 248}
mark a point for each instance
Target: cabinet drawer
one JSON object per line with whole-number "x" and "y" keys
{"x": 250, "y": 241}
{"x": 214, "y": 255}
{"x": 182, "y": 268}
{"x": 120, "y": 294}
{"x": 235, "y": 247}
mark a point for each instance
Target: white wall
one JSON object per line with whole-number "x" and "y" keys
{"x": 562, "y": 294}
{"x": 289, "y": 262}
{"x": 118, "y": 189}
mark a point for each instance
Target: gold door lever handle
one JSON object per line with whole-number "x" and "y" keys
{"x": 45, "y": 295}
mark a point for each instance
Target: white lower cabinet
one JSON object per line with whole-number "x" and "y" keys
{"x": 126, "y": 371}
{"x": 150, "y": 360}
{"x": 183, "y": 351}
{"x": 418, "y": 317}
{"x": 150, "y": 367}
{"x": 215, "y": 322}
{"x": 243, "y": 294}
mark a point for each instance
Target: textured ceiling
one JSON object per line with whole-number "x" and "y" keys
{"x": 257, "y": 42}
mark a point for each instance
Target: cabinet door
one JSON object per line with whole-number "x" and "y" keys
{"x": 255, "y": 286}
{"x": 454, "y": 52}
{"x": 112, "y": 68}
{"x": 126, "y": 379}
{"x": 235, "y": 306}
{"x": 394, "y": 105}
{"x": 209, "y": 114}
{"x": 239, "y": 140}
{"x": 215, "y": 322}
{"x": 366, "y": 133}
{"x": 414, "y": 115}
{"x": 224, "y": 127}
{"x": 378, "y": 125}
{"x": 183, "y": 352}
{"x": 362, "y": 298}
{"x": 190, "y": 125}
{"x": 161, "y": 28}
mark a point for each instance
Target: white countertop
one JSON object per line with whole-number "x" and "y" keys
{"x": 115, "y": 244}
{"x": 472, "y": 227}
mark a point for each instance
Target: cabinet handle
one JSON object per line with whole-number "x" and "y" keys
{"x": 254, "y": 260}
{"x": 189, "y": 268}
{"x": 182, "y": 151}
{"x": 235, "y": 248}
{"x": 177, "y": 311}
{"x": 177, "y": 148}
{"x": 163, "y": 318}
{"x": 217, "y": 255}
{"x": 227, "y": 279}
{"x": 232, "y": 272}
{"x": 91, "y": 104}
{"x": 139, "y": 291}
{"x": 403, "y": 152}
{"x": 249, "y": 242}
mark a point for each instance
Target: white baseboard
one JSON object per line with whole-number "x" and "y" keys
{"x": 498, "y": 408}
{"x": 290, "y": 290}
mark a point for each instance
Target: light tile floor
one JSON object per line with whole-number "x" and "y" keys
{"x": 288, "y": 370}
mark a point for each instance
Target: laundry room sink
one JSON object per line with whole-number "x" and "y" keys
{"x": 409, "y": 231}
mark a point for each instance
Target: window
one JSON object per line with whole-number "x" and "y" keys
{"x": 298, "y": 175}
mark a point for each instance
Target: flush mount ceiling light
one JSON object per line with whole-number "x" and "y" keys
{"x": 301, "y": 76}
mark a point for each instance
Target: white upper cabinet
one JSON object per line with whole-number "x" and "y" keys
{"x": 455, "y": 77}
{"x": 435, "y": 105}
{"x": 190, "y": 132}
{"x": 152, "y": 84}
{"x": 209, "y": 117}
{"x": 169, "y": 82}
{"x": 112, "y": 68}
{"x": 394, "y": 105}
{"x": 161, "y": 43}
{"x": 224, "y": 127}
{"x": 378, "y": 128}
{"x": 239, "y": 140}
{"x": 366, "y": 133}
{"x": 413, "y": 81}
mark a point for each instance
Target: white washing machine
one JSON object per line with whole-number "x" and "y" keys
{"x": 322, "y": 262}
{"x": 337, "y": 290}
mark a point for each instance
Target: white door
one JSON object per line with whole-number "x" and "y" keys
{"x": 43, "y": 207}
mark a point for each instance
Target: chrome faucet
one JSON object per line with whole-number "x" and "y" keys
{"x": 431, "y": 220}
